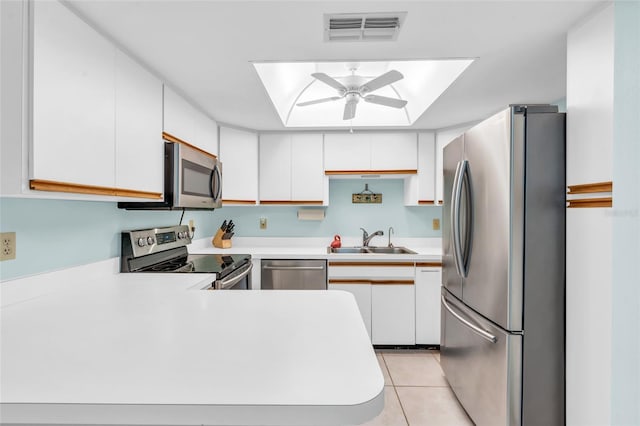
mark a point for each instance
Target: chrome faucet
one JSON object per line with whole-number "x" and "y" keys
{"x": 391, "y": 231}
{"x": 366, "y": 237}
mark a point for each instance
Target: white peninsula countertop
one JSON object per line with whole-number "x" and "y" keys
{"x": 136, "y": 350}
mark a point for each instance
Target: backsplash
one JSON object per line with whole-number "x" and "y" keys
{"x": 57, "y": 234}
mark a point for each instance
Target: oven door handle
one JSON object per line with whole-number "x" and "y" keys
{"x": 230, "y": 282}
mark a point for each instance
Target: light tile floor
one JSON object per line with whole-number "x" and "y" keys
{"x": 416, "y": 391}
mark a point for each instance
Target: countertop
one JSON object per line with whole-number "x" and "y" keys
{"x": 150, "y": 349}
{"x": 426, "y": 249}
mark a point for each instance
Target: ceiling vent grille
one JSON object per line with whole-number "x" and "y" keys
{"x": 363, "y": 26}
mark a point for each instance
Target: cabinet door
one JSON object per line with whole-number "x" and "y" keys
{"x": 426, "y": 168}
{"x": 178, "y": 116}
{"x": 275, "y": 167}
{"x": 139, "y": 147}
{"x": 392, "y": 314}
{"x": 307, "y": 171}
{"x": 428, "y": 282}
{"x": 362, "y": 293}
{"x": 394, "y": 151}
{"x": 239, "y": 156}
{"x": 347, "y": 151}
{"x": 206, "y": 133}
{"x": 73, "y": 99}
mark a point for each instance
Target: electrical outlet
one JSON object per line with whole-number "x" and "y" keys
{"x": 263, "y": 223}
{"x": 436, "y": 224}
{"x": 8, "y": 240}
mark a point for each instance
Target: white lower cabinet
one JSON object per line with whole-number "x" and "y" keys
{"x": 392, "y": 314}
{"x": 362, "y": 293}
{"x": 427, "y": 307}
{"x": 384, "y": 292}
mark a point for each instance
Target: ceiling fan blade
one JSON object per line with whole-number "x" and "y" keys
{"x": 319, "y": 101}
{"x": 383, "y": 100}
{"x": 329, "y": 80}
{"x": 349, "y": 110}
{"x": 381, "y": 81}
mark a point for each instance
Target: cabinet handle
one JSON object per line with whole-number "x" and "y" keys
{"x": 294, "y": 268}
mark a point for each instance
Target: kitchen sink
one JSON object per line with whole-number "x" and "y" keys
{"x": 370, "y": 250}
{"x": 349, "y": 250}
{"x": 390, "y": 250}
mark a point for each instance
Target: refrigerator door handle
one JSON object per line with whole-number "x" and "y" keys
{"x": 456, "y": 195}
{"x": 465, "y": 177}
{"x": 480, "y": 332}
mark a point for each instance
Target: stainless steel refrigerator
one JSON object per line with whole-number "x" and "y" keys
{"x": 502, "y": 329}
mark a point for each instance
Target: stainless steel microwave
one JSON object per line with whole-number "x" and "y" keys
{"x": 192, "y": 180}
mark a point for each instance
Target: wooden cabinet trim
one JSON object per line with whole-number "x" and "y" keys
{"x": 348, "y": 281}
{"x": 75, "y": 188}
{"x": 428, "y": 264}
{"x": 392, "y": 282}
{"x": 590, "y": 202}
{"x": 292, "y": 202}
{"x": 170, "y": 138}
{"x": 427, "y": 202}
{"x": 591, "y": 188}
{"x": 403, "y": 264}
{"x": 371, "y": 172}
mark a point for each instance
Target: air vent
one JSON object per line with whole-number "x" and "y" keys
{"x": 363, "y": 26}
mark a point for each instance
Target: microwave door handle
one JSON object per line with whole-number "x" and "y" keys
{"x": 216, "y": 183}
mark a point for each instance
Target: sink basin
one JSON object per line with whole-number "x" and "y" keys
{"x": 349, "y": 250}
{"x": 371, "y": 250}
{"x": 390, "y": 250}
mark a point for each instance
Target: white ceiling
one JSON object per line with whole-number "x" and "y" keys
{"x": 205, "y": 48}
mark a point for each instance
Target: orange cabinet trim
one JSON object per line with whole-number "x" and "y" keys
{"x": 348, "y": 281}
{"x": 290, "y": 202}
{"x": 429, "y": 264}
{"x": 427, "y": 202}
{"x": 75, "y": 188}
{"x": 169, "y": 137}
{"x": 371, "y": 172}
{"x": 371, "y": 264}
{"x": 372, "y": 282}
{"x": 590, "y": 202}
{"x": 591, "y": 188}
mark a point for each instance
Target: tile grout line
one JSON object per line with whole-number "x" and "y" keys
{"x": 406, "y": 420}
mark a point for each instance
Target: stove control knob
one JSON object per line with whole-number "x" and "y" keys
{"x": 150, "y": 240}
{"x": 142, "y": 242}
{"x": 181, "y": 235}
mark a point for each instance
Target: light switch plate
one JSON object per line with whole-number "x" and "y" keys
{"x": 263, "y": 223}
{"x": 436, "y": 224}
{"x": 8, "y": 249}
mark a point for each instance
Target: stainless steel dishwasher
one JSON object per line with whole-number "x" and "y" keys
{"x": 284, "y": 274}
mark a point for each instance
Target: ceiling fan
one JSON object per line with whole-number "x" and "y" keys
{"x": 355, "y": 88}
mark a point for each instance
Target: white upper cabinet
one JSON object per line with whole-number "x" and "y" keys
{"x": 139, "y": 149}
{"x": 426, "y": 168}
{"x": 275, "y": 167}
{"x": 357, "y": 152}
{"x": 347, "y": 151}
{"x": 239, "y": 156}
{"x": 394, "y": 151}
{"x": 185, "y": 122}
{"x": 291, "y": 168}
{"x": 73, "y": 99}
{"x": 308, "y": 182}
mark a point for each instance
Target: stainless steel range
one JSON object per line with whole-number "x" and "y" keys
{"x": 165, "y": 250}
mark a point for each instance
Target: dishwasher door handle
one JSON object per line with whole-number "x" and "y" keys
{"x": 294, "y": 268}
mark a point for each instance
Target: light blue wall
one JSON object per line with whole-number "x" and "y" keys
{"x": 625, "y": 368}
{"x": 54, "y": 234}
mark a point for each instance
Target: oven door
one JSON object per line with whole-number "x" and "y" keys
{"x": 239, "y": 279}
{"x": 198, "y": 179}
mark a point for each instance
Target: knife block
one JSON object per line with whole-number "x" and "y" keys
{"x": 219, "y": 242}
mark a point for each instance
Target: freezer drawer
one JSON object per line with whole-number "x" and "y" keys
{"x": 482, "y": 363}
{"x": 285, "y": 274}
